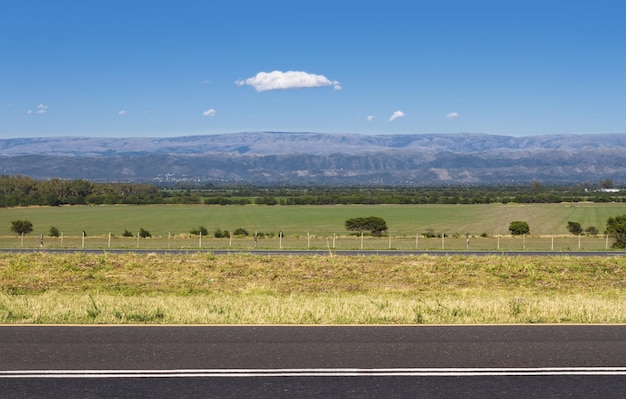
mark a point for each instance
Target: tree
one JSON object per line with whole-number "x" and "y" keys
{"x": 518, "y": 227}
{"x": 200, "y": 231}
{"x": 377, "y": 226}
{"x": 143, "y": 233}
{"x": 127, "y": 233}
{"x": 54, "y": 232}
{"x": 592, "y": 231}
{"x": 21, "y": 226}
{"x": 616, "y": 229}
{"x": 607, "y": 183}
{"x": 240, "y": 231}
{"x": 574, "y": 228}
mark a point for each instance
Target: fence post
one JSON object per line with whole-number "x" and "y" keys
{"x": 137, "y": 239}
{"x": 200, "y": 240}
{"x": 361, "y": 240}
{"x": 416, "y": 239}
{"x": 443, "y": 241}
{"x": 308, "y": 240}
{"x": 82, "y": 245}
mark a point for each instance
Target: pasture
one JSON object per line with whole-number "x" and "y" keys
{"x": 312, "y": 226}
{"x": 402, "y": 220}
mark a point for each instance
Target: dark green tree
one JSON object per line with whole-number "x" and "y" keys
{"x": 616, "y": 229}
{"x": 54, "y": 232}
{"x": 240, "y": 231}
{"x": 375, "y": 225}
{"x": 127, "y": 233}
{"x": 143, "y": 233}
{"x": 519, "y": 227}
{"x": 200, "y": 231}
{"x": 21, "y": 226}
{"x": 574, "y": 228}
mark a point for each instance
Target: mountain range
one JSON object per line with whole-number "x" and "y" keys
{"x": 323, "y": 158}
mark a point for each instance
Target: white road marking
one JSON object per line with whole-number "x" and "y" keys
{"x": 321, "y": 372}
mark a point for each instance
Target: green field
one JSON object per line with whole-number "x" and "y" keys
{"x": 402, "y": 220}
{"x": 312, "y": 227}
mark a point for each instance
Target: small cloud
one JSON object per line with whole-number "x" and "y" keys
{"x": 209, "y": 112}
{"x": 279, "y": 80}
{"x": 396, "y": 115}
{"x": 122, "y": 112}
{"x": 452, "y": 115}
{"x": 370, "y": 118}
{"x": 41, "y": 109}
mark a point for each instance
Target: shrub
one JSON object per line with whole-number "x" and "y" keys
{"x": 200, "y": 230}
{"x": 240, "y": 231}
{"x": 574, "y": 228}
{"x": 54, "y": 232}
{"x": 143, "y": 233}
{"x": 127, "y": 233}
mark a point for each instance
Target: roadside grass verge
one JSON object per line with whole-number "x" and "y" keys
{"x": 252, "y": 289}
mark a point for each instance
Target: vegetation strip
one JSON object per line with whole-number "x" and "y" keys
{"x": 45, "y": 288}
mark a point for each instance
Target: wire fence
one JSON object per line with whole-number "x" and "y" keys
{"x": 556, "y": 243}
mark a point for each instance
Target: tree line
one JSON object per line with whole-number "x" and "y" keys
{"x": 25, "y": 191}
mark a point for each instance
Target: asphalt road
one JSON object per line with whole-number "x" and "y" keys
{"x": 316, "y": 361}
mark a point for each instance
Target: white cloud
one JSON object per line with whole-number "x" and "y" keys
{"x": 41, "y": 109}
{"x": 370, "y": 118}
{"x": 209, "y": 112}
{"x": 452, "y": 115}
{"x": 396, "y": 115}
{"x": 278, "y": 80}
{"x": 122, "y": 112}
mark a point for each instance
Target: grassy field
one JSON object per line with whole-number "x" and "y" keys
{"x": 402, "y": 220}
{"x": 250, "y": 289}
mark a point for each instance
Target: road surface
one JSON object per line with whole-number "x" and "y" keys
{"x": 312, "y": 361}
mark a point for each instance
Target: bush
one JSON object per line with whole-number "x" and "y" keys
{"x": 221, "y": 233}
{"x": 200, "y": 230}
{"x": 54, "y": 232}
{"x": 127, "y": 233}
{"x": 574, "y": 228}
{"x": 143, "y": 233}
{"x": 241, "y": 232}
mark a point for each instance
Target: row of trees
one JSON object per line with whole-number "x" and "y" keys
{"x": 24, "y": 191}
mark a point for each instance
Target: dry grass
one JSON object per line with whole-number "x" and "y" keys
{"x": 251, "y": 289}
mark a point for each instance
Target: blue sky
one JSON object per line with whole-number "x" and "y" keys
{"x": 159, "y": 68}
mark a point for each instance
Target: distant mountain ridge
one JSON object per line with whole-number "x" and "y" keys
{"x": 320, "y": 158}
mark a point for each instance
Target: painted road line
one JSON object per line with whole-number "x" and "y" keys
{"x": 321, "y": 372}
